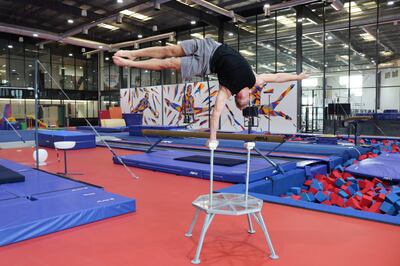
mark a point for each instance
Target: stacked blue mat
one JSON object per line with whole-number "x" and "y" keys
{"x": 83, "y": 140}
{"x": 47, "y": 203}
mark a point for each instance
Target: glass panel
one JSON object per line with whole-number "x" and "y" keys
{"x": 266, "y": 44}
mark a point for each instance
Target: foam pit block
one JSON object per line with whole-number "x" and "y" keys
{"x": 320, "y": 197}
{"x": 366, "y": 201}
{"x": 397, "y": 205}
{"x": 295, "y": 190}
{"x": 343, "y": 194}
{"x": 392, "y": 198}
{"x": 387, "y": 208}
{"x": 339, "y": 182}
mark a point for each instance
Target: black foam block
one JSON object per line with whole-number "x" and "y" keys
{"x": 9, "y": 176}
{"x": 206, "y": 159}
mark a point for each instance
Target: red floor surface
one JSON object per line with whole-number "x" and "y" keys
{"x": 154, "y": 235}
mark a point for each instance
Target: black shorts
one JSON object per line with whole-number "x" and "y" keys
{"x": 232, "y": 69}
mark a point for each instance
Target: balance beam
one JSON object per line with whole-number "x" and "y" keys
{"x": 220, "y": 135}
{"x": 360, "y": 118}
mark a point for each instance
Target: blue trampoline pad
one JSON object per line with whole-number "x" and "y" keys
{"x": 164, "y": 161}
{"x": 23, "y": 219}
{"x": 38, "y": 182}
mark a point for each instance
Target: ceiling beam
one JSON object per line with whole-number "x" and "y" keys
{"x": 209, "y": 19}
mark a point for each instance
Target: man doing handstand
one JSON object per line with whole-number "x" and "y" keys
{"x": 202, "y": 57}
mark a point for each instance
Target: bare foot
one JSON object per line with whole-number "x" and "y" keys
{"x": 126, "y": 54}
{"x": 119, "y": 61}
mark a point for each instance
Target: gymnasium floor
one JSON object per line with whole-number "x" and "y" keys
{"x": 154, "y": 235}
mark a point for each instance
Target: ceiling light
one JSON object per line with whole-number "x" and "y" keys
{"x": 230, "y": 34}
{"x": 107, "y": 58}
{"x": 193, "y": 22}
{"x": 197, "y": 35}
{"x": 70, "y": 21}
{"x": 35, "y": 35}
{"x": 119, "y": 18}
{"x": 10, "y": 46}
{"x": 135, "y": 15}
{"x": 337, "y": 5}
{"x": 288, "y": 22}
{"x": 267, "y": 10}
{"x": 390, "y": 3}
{"x": 329, "y": 37}
{"x": 100, "y": 47}
{"x": 246, "y": 52}
{"x": 13, "y": 70}
{"x": 367, "y": 37}
{"x": 70, "y": 54}
{"x": 29, "y": 65}
{"x": 300, "y": 20}
{"x": 354, "y": 7}
{"x": 107, "y": 26}
{"x": 386, "y": 53}
{"x": 120, "y": 1}
{"x": 140, "y": 36}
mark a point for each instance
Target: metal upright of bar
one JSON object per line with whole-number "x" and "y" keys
{"x": 37, "y": 111}
{"x": 228, "y": 204}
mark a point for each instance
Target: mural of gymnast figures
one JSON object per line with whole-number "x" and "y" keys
{"x": 146, "y": 99}
{"x": 268, "y": 110}
{"x": 183, "y": 103}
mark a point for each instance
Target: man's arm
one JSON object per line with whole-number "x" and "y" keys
{"x": 222, "y": 97}
{"x": 280, "y": 77}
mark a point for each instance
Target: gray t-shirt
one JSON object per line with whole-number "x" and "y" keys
{"x": 196, "y": 61}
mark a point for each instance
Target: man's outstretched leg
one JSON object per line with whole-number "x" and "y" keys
{"x": 151, "y": 64}
{"x": 153, "y": 52}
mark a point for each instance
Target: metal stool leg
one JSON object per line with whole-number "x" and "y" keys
{"x": 260, "y": 221}
{"x": 251, "y": 229}
{"x": 206, "y": 224}
{"x": 196, "y": 216}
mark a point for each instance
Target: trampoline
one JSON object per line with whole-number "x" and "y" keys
{"x": 165, "y": 161}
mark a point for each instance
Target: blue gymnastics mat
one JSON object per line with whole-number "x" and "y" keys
{"x": 269, "y": 191}
{"x": 83, "y": 140}
{"x": 47, "y": 203}
{"x": 312, "y": 150}
{"x": 23, "y": 219}
{"x": 10, "y": 136}
{"x": 386, "y": 166}
{"x": 164, "y": 161}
